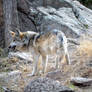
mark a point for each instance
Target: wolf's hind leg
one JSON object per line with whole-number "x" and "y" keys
{"x": 66, "y": 55}
{"x": 65, "y": 46}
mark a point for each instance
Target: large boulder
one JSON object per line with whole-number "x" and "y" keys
{"x": 71, "y": 17}
{"x": 62, "y": 19}
{"x": 10, "y": 79}
{"x": 21, "y": 55}
{"x": 46, "y": 85}
{"x": 25, "y": 23}
{"x": 81, "y": 82}
{"x": 56, "y": 3}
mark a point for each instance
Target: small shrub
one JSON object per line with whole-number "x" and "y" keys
{"x": 1, "y": 89}
{"x": 72, "y": 86}
{"x": 86, "y": 26}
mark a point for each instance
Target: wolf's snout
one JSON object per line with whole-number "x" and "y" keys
{"x": 12, "y": 47}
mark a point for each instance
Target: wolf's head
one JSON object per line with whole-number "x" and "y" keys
{"x": 21, "y": 39}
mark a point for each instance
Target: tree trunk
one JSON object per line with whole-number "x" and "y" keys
{"x": 10, "y": 18}
{"x": 44, "y": 3}
{"x": 1, "y": 26}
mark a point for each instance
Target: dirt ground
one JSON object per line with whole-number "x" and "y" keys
{"x": 81, "y": 66}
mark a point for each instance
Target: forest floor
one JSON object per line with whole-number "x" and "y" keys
{"x": 81, "y": 66}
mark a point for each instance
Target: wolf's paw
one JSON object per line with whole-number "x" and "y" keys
{"x": 30, "y": 75}
{"x": 34, "y": 74}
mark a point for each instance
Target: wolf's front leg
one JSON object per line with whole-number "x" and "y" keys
{"x": 36, "y": 58}
{"x": 67, "y": 58}
{"x": 57, "y": 62}
{"x": 44, "y": 63}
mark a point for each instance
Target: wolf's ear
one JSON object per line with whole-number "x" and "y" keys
{"x": 12, "y": 33}
{"x": 17, "y": 31}
{"x": 21, "y": 35}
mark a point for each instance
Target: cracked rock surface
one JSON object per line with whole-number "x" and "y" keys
{"x": 46, "y": 85}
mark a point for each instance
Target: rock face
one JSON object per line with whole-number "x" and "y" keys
{"x": 68, "y": 16}
{"x": 25, "y": 22}
{"x": 46, "y": 85}
{"x": 62, "y": 19}
{"x": 21, "y": 55}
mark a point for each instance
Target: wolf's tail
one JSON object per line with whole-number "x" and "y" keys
{"x": 65, "y": 46}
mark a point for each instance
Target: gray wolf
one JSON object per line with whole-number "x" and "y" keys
{"x": 42, "y": 44}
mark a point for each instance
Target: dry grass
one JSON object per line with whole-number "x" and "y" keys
{"x": 85, "y": 48}
{"x": 82, "y": 55}
{"x": 80, "y": 67}
{"x": 13, "y": 60}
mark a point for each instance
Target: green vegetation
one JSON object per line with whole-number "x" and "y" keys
{"x": 1, "y": 89}
{"x": 87, "y": 3}
{"x": 86, "y": 26}
{"x": 1, "y": 50}
{"x": 72, "y": 86}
